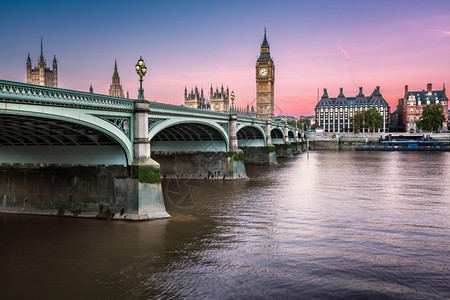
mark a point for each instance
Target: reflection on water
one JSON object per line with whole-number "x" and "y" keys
{"x": 323, "y": 225}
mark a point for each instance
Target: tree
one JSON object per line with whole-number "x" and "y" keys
{"x": 304, "y": 122}
{"x": 374, "y": 120}
{"x": 358, "y": 121}
{"x": 370, "y": 119}
{"x": 432, "y": 117}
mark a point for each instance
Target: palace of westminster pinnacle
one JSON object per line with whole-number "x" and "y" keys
{"x": 219, "y": 100}
{"x": 41, "y": 74}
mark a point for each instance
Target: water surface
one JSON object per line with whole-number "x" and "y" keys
{"x": 327, "y": 225}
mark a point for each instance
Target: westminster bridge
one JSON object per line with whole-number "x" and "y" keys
{"x": 81, "y": 154}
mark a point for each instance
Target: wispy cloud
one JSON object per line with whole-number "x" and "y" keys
{"x": 348, "y": 64}
{"x": 445, "y": 32}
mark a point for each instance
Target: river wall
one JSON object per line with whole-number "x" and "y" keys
{"x": 105, "y": 192}
{"x": 348, "y": 141}
{"x": 263, "y": 156}
{"x": 341, "y": 141}
{"x": 201, "y": 165}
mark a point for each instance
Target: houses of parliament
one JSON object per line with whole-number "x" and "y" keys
{"x": 43, "y": 75}
{"x": 219, "y": 99}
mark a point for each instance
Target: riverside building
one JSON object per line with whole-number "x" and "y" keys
{"x": 414, "y": 102}
{"x": 335, "y": 114}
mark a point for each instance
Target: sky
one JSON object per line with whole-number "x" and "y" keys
{"x": 314, "y": 45}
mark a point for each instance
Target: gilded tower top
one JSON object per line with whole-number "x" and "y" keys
{"x": 265, "y": 49}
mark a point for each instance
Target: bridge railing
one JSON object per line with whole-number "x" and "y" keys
{"x": 43, "y": 95}
{"x": 157, "y": 107}
{"x": 36, "y": 94}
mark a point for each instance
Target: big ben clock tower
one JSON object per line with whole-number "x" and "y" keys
{"x": 265, "y": 79}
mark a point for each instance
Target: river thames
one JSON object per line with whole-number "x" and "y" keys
{"x": 323, "y": 225}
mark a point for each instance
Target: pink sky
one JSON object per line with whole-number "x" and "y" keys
{"x": 322, "y": 44}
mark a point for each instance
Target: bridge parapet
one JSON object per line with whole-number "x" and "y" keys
{"x": 42, "y": 95}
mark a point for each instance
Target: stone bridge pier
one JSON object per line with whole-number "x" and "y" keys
{"x": 197, "y": 150}
{"x": 72, "y": 153}
{"x": 257, "y": 145}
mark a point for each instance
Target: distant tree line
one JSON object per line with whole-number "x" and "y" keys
{"x": 302, "y": 123}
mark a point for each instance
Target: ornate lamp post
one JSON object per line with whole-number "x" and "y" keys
{"x": 141, "y": 69}
{"x": 232, "y": 101}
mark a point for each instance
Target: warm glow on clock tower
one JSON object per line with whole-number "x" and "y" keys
{"x": 265, "y": 79}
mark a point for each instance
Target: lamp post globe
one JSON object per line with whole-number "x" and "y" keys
{"x": 141, "y": 69}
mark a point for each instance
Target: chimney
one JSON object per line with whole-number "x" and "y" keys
{"x": 429, "y": 89}
{"x": 406, "y": 89}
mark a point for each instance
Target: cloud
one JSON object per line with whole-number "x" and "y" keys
{"x": 445, "y": 32}
{"x": 348, "y": 64}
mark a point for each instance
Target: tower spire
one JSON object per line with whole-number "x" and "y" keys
{"x": 265, "y": 43}
{"x": 115, "y": 88}
{"x": 42, "y": 48}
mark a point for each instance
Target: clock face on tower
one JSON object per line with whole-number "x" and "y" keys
{"x": 263, "y": 72}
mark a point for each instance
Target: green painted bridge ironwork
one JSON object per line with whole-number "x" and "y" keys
{"x": 61, "y": 126}
{"x": 74, "y": 153}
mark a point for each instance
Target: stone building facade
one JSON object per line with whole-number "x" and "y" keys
{"x": 195, "y": 99}
{"x": 41, "y": 74}
{"x": 335, "y": 114}
{"x": 219, "y": 100}
{"x": 414, "y": 102}
{"x": 115, "y": 89}
{"x": 265, "y": 80}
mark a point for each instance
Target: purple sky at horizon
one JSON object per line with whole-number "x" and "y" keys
{"x": 314, "y": 44}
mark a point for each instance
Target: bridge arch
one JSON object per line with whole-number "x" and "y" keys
{"x": 61, "y": 135}
{"x": 277, "y": 136}
{"x": 250, "y": 136}
{"x": 291, "y": 136}
{"x": 197, "y": 135}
